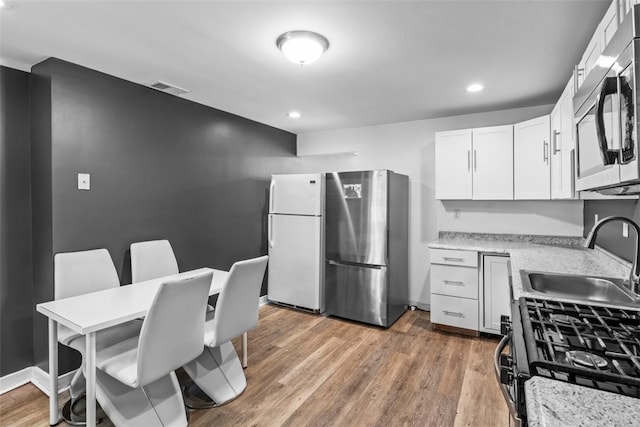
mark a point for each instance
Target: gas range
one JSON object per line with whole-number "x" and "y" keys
{"x": 593, "y": 346}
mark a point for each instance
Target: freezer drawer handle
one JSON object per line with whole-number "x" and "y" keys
{"x": 446, "y": 258}
{"x": 348, "y": 264}
{"x": 453, "y": 313}
{"x": 453, "y": 282}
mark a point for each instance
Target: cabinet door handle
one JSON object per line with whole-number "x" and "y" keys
{"x": 453, "y": 282}
{"x": 453, "y": 313}
{"x": 545, "y": 156}
{"x": 475, "y": 161}
{"x": 555, "y": 142}
{"x": 469, "y": 160}
{"x": 446, "y": 258}
{"x": 577, "y": 71}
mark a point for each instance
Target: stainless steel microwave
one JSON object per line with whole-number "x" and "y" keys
{"x": 606, "y": 116}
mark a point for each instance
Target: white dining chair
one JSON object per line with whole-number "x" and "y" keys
{"x": 77, "y": 273}
{"x": 151, "y": 260}
{"x": 136, "y": 382}
{"x": 217, "y": 372}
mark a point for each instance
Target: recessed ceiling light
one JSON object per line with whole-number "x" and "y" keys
{"x": 302, "y": 47}
{"x": 475, "y": 87}
{"x": 6, "y": 4}
{"x": 293, "y": 114}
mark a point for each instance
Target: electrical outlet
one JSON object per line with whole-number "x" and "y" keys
{"x": 456, "y": 214}
{"x": 625, "y": 229}
{"x": 595, "y": 219}
{"x": 84, "y": 181}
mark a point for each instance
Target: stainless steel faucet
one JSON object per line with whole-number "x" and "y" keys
{"x": 634, "y": 275}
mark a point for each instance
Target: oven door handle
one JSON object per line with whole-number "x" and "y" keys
{"x": 511, "y": 404}
{"x": 609, "y": 87}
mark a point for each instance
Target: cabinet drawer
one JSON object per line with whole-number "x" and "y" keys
{"x": 452, "y": 257}
{"x": 454, "y": 281}
{"x": 454, "y": 311}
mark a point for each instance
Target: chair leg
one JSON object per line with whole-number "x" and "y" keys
{"x": 218, "y": 373}
{"x": 157, "y": 404}
{"x": 73, "y": 412}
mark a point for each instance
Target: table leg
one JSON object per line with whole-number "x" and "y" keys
{"x": 244, "y": 350}
{"x": 53, "y": 372}
{"x": 90, "y": 348}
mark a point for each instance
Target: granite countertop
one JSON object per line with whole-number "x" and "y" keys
{"x": 553, "y": 403}
{"x": 549, "y": 402}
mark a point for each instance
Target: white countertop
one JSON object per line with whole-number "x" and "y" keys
{"x": 554, "y": 403}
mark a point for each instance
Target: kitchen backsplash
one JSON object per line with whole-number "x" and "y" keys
{"x": 610, "y": 235}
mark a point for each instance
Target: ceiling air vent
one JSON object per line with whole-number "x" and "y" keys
{"x": 168, "y": 88}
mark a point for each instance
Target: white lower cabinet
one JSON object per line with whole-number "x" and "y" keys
{"x": 467, "y": 295}
{"x": 454, "y": 289}
{"x": 454, "y": 311}
{"x": 496, "y": 295}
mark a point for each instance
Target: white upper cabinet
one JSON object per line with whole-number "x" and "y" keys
{"x": 625, "y": 7}
{"x": 609, "y": 24}
{"x": 590, "y": 57}
{"x": 492, "y": 163}
{"x": 475, "y": 164}
{"x": 603, "y": 34}
{"x": 453, "y": 165}
{"x": 531, "y": 142}
{"x": 563, "y": 146}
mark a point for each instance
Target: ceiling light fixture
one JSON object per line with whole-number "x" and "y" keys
{"x": 475, "y": 87}
{"x": 293, "y": 114}
{"x": 302, "y": 47}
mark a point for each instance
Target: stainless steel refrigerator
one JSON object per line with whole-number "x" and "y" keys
{"x": 366, "y": 238}
{"x": 296, "y": 241}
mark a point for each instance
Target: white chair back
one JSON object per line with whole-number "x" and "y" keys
{"x": 237, "y": 306}
{"x": 172, "y": 333}
{"x": 152, "y": 259}
{"x": 77, "y": 273}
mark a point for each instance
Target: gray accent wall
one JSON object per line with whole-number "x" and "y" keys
{"x": 161, "y": 167}
{"x": 610, "y": 235}
{"x": 16, "y": 280}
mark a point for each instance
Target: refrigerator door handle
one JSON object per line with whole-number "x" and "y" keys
{"x": 350, "y": 264}
{"x": 270, "y": 231}
{"x": 272, "y": 188}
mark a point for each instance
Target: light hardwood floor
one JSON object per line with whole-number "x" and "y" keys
{"x": 310, "y": 370}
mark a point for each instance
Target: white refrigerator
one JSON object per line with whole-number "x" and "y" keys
{"x": 296, "y": 241}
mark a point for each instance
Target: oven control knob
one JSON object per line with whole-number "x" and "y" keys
{"x": 505, "y": 324}
{"x": 506, "y": 361}
{"x": 506, "y": 376}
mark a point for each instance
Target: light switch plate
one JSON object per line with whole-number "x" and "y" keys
{"x": 84, "y": 181}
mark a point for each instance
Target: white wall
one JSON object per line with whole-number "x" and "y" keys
{"x": 408, "y": 148}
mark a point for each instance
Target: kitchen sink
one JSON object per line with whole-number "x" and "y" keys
{"x": 588, "y": 288}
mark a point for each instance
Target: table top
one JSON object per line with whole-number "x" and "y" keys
{"x": 99, "y": 310}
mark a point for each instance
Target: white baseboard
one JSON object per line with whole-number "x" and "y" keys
{"x": 37, "y": 377}
{"x": 263, "y": 300}
{"x": 15, "y": 380}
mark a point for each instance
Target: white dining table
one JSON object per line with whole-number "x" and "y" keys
{"x": 89, "y": 313}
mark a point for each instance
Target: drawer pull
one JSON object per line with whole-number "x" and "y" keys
{"x": 447, "y": 258}
{"x": 453, "y": 313}
{"x": 452, "y": 282}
